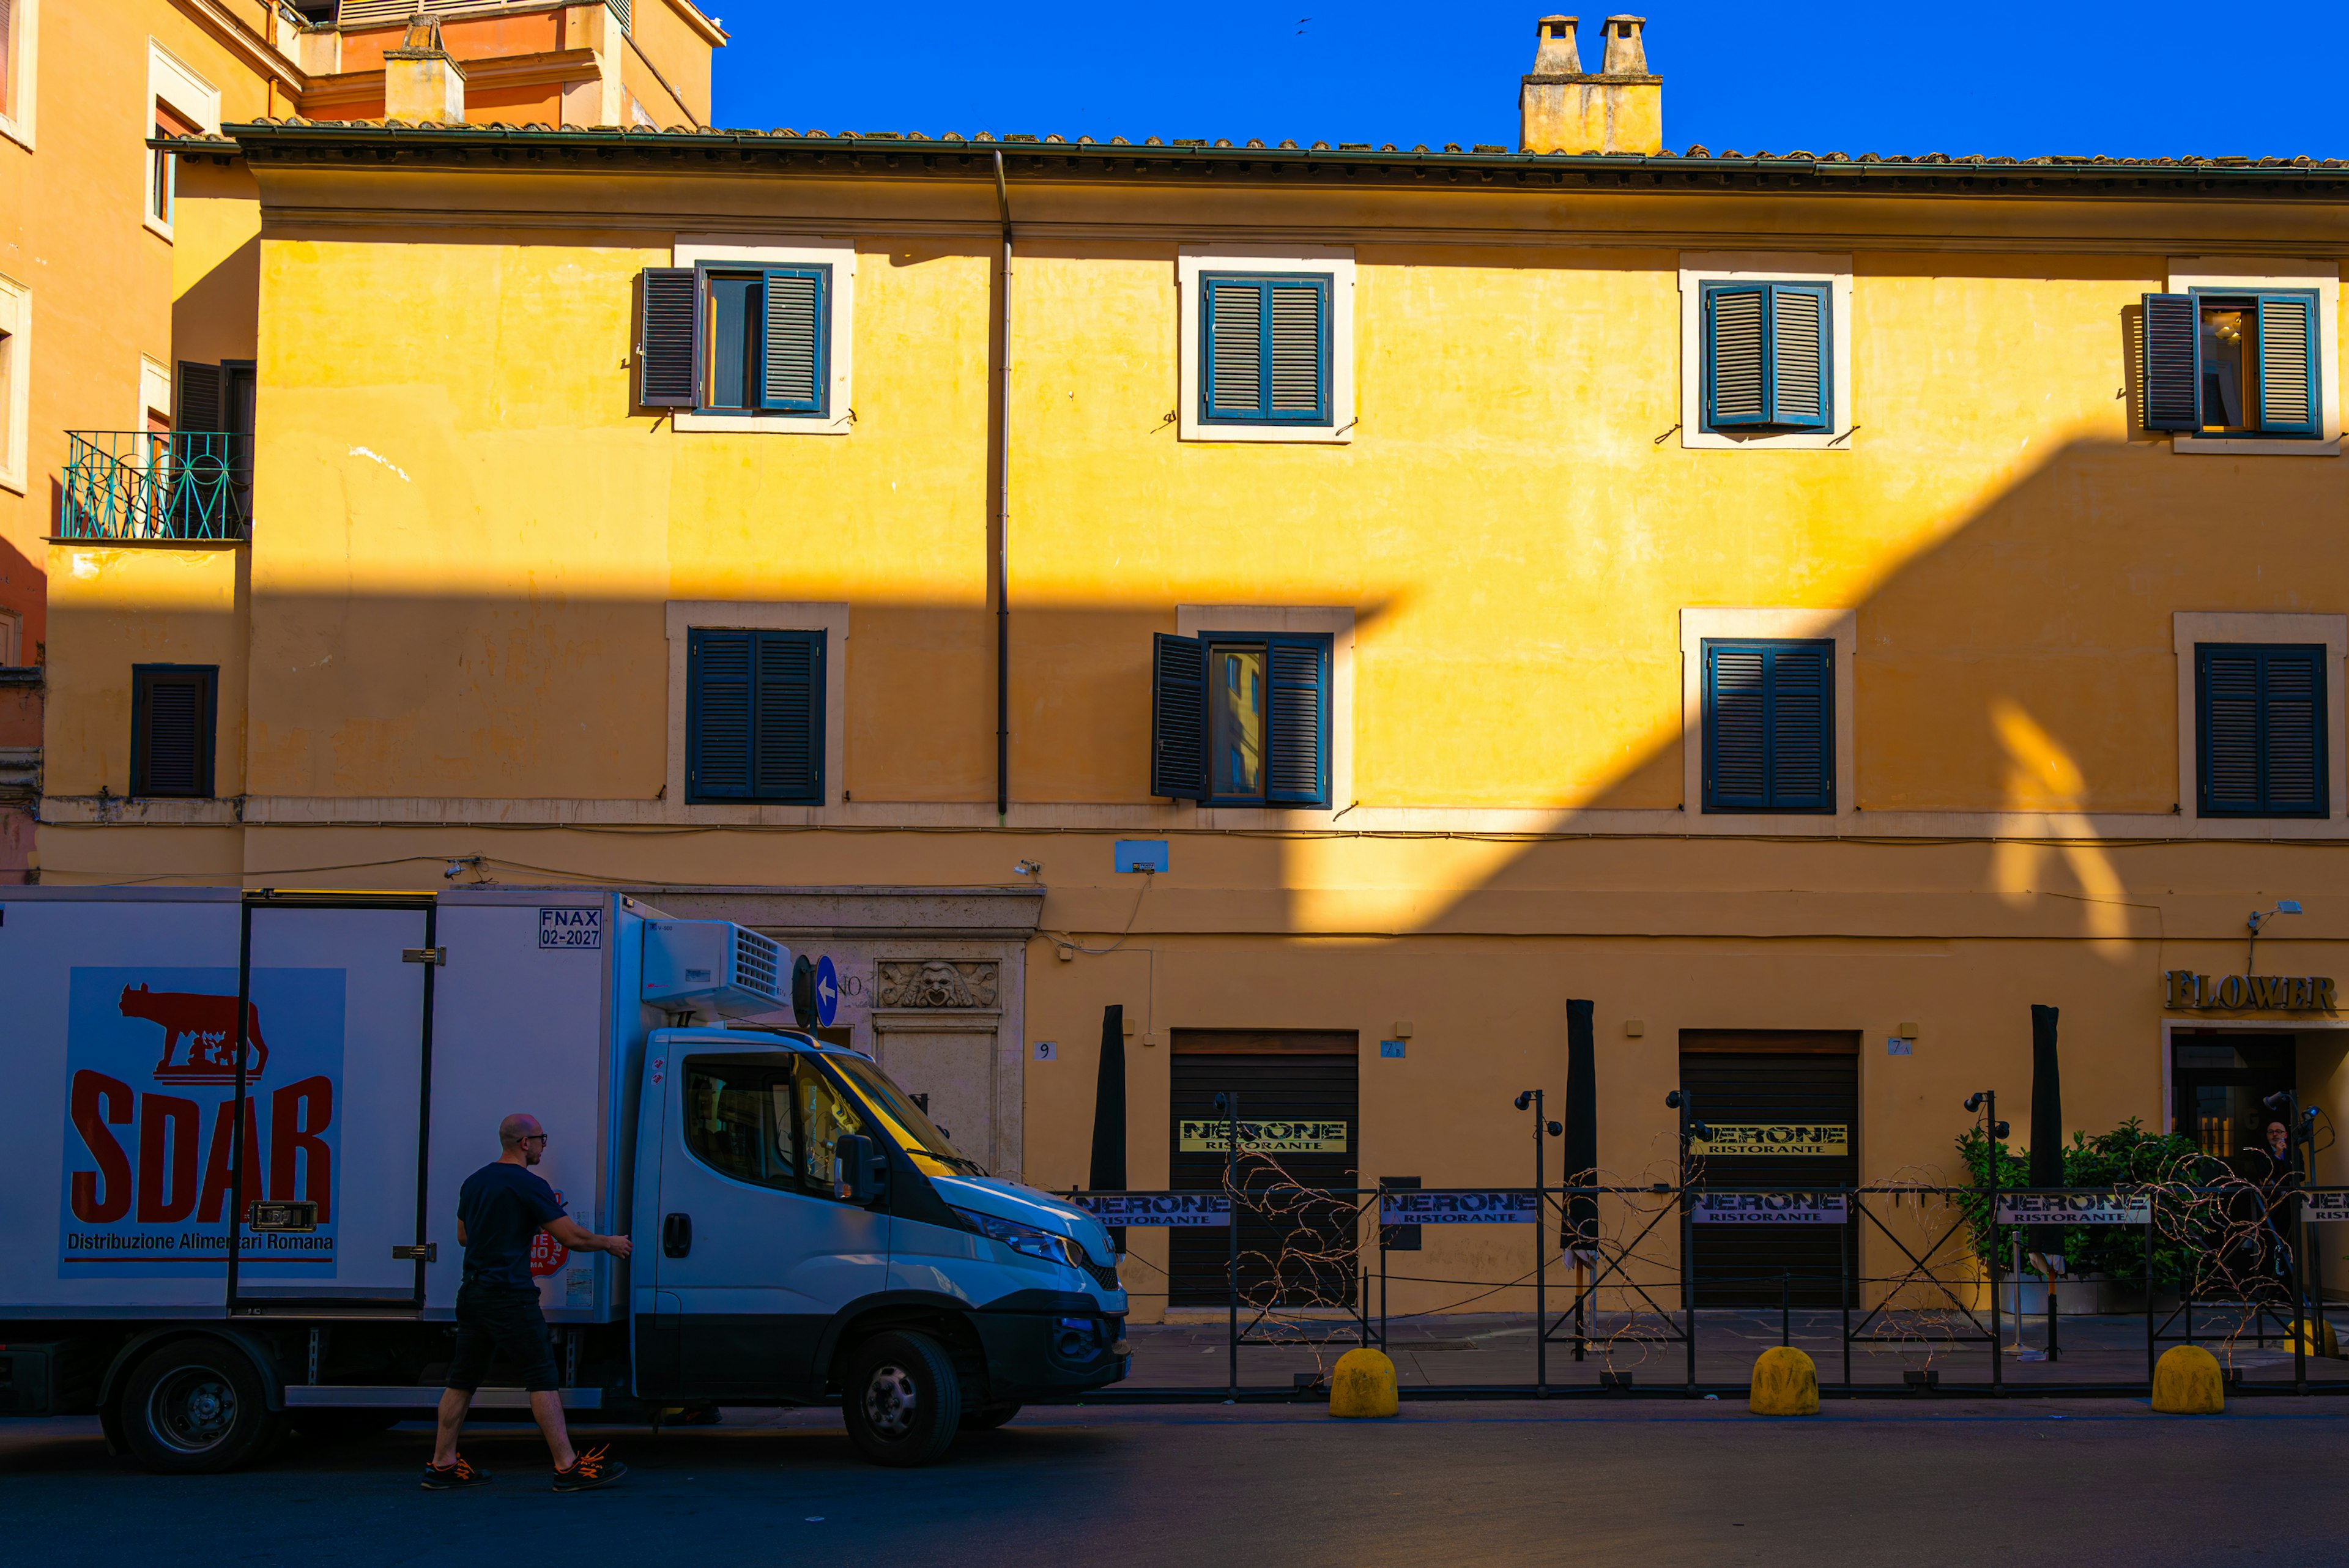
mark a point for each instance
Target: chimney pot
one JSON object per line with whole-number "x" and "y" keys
{"x": 1557, "y": 54}
{"x": 1627, "y": 55}
{"x": 421, "y": 84}
{"x": 1562, "y": 108}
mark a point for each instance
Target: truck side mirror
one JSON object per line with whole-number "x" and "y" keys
{"x": 860, "y": 1174}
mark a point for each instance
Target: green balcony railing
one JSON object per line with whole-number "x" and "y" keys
{"x": 175, "y": 485}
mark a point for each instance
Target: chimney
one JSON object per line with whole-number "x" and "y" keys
{"x": 1620, "y": 110}
{"x": 421, "y": 85}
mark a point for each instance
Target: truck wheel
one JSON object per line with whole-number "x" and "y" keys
{"x": 986, "y": 1417}
{"x": 902, "y": 1399}
{"x": 195, "y": 1406}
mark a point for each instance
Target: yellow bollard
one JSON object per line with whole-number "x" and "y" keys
{"x": 1363, "y": 1384}
{"x": 2186, "y": 1381}
{"x": 2320, "y": 1338}
{"x": 1785, "y": 1383}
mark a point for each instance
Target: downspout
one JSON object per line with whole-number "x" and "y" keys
{"x": 1002, "y": 434}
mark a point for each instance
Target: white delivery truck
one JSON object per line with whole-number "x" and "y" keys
{"x": 234, "y": 1125}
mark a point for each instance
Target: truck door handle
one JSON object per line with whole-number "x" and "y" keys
{"x": 677, "y": 1235}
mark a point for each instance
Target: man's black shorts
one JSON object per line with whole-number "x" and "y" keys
{"x": 501, "y": 1320}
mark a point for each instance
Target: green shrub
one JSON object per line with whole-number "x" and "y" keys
{"x": 2127, "y": 1157}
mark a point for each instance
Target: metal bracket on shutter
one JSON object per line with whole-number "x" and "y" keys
{"x": 424, "y": 955}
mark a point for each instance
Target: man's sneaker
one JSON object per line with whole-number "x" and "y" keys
{"x": 448, "y": 1478}
{"x": 591, "y": 1469}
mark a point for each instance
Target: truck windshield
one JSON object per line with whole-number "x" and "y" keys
{"x": 919, "y": 1134}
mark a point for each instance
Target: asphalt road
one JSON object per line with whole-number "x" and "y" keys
{"x": 1656, "y": 1483}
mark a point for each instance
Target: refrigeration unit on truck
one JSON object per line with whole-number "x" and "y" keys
{"x": 235, "y": 1124}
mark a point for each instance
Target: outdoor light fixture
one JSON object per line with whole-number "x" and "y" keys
{"x": 1981, "y": 1097}
{"x": 1027, "y": 868}
{"x": 2257, "y": 920}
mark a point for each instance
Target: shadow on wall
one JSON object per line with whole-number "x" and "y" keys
{"x": 2024, "y": 663}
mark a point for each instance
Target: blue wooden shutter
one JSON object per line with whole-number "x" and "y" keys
{"x": 1178, "y": 717}
{"x": 2172, "y": 394}
{"x": 1801, "y": 327}
{"x": 1737, "y": 354}
{"x": 1802, "y": 726}
{"x": 2263, "y": 717}
{"x": 668, "y": 338}
{"x": 1231, "y": 382}
{"x": 717, "y": 726}
{"x": 1769, "y": 726}
{"x": 796, "y": 373}
{"x": 1297, "y": 349}
{"x": 787, "y": 736}
{"x": 1297, "y": 742}
{"x": 198, "y": 406}
{"x": 1265, "y": 350}
{"x": 2288, "y": 383}
{"x": 173, "y": 710}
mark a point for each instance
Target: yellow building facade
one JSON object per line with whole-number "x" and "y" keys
{"x": 1500, "y": 509}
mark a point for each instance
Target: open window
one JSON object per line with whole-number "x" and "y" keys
{"x": 1242, "y": 719}
{"x": 746, "y": 338}
{"x": 2228, "y": 363}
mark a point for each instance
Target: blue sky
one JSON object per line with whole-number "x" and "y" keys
{"x": 2143, "y": 81}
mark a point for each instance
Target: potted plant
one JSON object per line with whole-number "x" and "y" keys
{"x": 2105, "y": 1264}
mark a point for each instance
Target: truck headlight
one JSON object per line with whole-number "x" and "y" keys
{"x": 1032, "y": 1239}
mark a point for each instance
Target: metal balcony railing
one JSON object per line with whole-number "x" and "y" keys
{"x": 138, "y": 484}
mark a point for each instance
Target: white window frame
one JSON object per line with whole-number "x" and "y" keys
{"x": 15, "y": 415}
{"x": 1336, "y": 263}
{"x": 170, "y": 80}
{"x": 686, "y": 615}
{"x": 1700, "y": 268}
{"x": 24, "y": 60}
{"x": 2252, "y": 274}
{"x": 2189, "y": 627}
{"x": 838, "y": 254}
{"x": 1335, "y": 622}
{"x": 1839, "y": 626}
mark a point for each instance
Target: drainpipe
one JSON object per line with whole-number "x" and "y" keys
{"x": 1002, "y": 434}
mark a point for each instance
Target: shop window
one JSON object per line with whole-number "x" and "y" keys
{"x": 2261, "y": 730}
{"x": 747, "y": 341}
{"x": 2222, "y": 363}
{"x": 1769, "y": 355}
{"x": 173, "y": 710}
{"x": 1769, "y": 725}
{"x": 755, "y": 716}
{"x": 1241, "y": 719}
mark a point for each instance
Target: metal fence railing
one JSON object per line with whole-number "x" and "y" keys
{"x": 1935, "y": 1287}
{"x": 141, "y": 484}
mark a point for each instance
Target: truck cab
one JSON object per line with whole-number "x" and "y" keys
{"x": 806, "y": 1232}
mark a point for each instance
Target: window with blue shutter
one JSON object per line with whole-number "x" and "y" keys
{"x": 754, "y": 716}
{"x": 1769, "y": 726}
{"x": 1769, "y": 357}
{"x": 730, "y": 338}
{"x": 2233, "y": 362}
{"x": 1264, "y": 351}
{"x": 2261, "y": 714}
{"x": 1241, "y": 719}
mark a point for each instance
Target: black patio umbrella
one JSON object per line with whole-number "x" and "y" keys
{"x": 1579, "y": 1226}
{"x": 1109, "y": 1106}
{"x": 2046, "y": 1125}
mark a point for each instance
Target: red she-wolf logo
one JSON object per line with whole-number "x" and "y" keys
{"x": 199, "y": 1034}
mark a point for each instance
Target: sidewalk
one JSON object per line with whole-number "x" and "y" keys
{"x": 1498, "y": 1351}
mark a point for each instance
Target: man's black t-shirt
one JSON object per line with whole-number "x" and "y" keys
{"x": 501, "y": 1207}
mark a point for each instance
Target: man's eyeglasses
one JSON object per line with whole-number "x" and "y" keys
{"x": 532, "y": 1137}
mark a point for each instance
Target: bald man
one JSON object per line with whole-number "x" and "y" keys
{"x": 501, "y": 1207}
